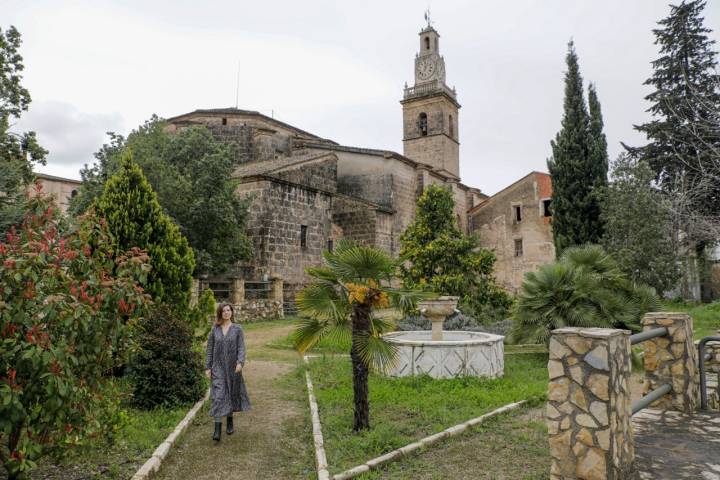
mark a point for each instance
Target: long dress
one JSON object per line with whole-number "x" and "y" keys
{"x": 224, "y": 352}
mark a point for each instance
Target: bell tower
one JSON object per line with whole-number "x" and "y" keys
{"x": 430, "y": 109}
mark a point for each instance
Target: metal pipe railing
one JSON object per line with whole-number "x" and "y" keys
{"x": 645, "y": 401}
{"x": 648, "y": 334}
{"x": 703, "y": 380}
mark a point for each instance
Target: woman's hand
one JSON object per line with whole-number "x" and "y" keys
{"x": 238, "y": 368}
{"x": 207, "y": 373}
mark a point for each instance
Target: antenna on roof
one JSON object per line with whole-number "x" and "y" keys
{"x": 237, "y": 86}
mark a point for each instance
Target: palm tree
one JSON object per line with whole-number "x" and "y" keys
{"x": 340, "y": 302}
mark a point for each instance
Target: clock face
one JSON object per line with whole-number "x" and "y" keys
{"x": 425, "y": 68}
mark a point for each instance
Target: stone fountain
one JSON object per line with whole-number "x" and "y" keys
{"x": 446, "y": 354}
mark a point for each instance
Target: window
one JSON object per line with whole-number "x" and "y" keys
{"x": 73, "y": 194}
{"x": 518, "y": 247}
{"x": 330, "y": 246}
{"x": 452, "y": 127}
{"x": 518, "y": 213}
{"x": 422, "y": 124}
{"x": 303, "y": 236}
{"x": 224, "y": 121}
{"x": 546, "y": 208}
{"x": 427, "y": 43}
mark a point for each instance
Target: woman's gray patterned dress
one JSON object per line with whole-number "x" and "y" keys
{"x": 227, "y": 389}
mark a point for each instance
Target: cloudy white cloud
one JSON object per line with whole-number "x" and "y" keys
{"x": 334, "y": 68}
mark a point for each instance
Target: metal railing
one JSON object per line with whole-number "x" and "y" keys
{"x": 257, "y": 290}
{"x": 663, "y": 389}
{"x": 703, "y": 378}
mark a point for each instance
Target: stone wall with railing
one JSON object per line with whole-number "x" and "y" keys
{"x": 251, "y": 300}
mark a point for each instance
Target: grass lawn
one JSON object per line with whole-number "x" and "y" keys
{"x": 706, "y": 316}
{"x": 135, "y": 441}
{"x": 404, "y": 410}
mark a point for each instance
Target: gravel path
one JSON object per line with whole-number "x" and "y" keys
{"x": 269, "y": 440}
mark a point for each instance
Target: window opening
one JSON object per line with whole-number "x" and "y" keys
{"x": 427, "y": 43}
{"x": 518, "y": 247}
{"x": 546, "y": 208}
{"x": 452, "y": 128}
{"x": 422, "y": 122}
{"x": 303, "y": 236}
{"x": 224, "y": 121}
{"x": 518, "y": 213}
{"x": 330, "y": 246}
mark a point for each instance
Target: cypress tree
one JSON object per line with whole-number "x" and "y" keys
{"x": 578, "y": 165}
{"x": 683, "y": 137}
{"x": 135, "y": 219}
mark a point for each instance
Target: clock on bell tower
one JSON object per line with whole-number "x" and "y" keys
{"x": 430, "y": 110}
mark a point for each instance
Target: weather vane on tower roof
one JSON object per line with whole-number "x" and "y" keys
{"x": 427, "y": 18}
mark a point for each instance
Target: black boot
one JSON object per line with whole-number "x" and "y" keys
{"x": 229, "y": 430}
{"x": 218, "y": 431}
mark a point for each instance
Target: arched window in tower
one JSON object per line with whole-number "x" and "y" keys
{"x": 427, "y": 43}
{"x": 422, "y": 124}
{"x": 452, "y": 127}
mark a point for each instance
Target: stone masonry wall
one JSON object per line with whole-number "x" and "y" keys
{"x": 588, "y": 409}
{"x": 357, "y": 221}
{"x": 671, "y": 359}
{"x": 254, "y": 310}
{"x": 321, "y": 175}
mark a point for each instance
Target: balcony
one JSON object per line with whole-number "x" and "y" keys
{"x": 423, "y": 89}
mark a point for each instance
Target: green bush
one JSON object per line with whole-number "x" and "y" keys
{"x": 166, "y": 370}
{"x": 201, "y": 315}
{"x": 584, "y": 288}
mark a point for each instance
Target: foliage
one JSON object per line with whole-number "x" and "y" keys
{"x": 63, "y": 315}
{"x": 201, "y": 314}
{"x": 192, "y": 175}
{"x": 339, "y": 303}
{"x": 706, "y": 317}
{"x": 638, "y": 225}
{"x": 18, "y": 151}
{"x": 683, "y": 133}
{"x": 134, "y": 218}
{"x": 409, "y": 408}
{"x": 584, "y": 288}
{"x": 439, "y": 258}
{"x": 578, "y": 165}
{"x": 165, "y": 370}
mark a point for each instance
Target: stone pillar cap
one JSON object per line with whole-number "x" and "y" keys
{"x": 590, "y": 332}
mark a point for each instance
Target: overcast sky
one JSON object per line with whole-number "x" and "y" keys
{"x": 336, "y": 69}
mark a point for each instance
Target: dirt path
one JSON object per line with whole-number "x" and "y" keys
{"x": 269, "y": 440}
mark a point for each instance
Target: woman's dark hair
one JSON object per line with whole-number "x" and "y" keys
{"x": 221, "y": 307}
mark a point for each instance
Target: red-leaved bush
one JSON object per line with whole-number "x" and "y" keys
{"x": 67, "y": 305}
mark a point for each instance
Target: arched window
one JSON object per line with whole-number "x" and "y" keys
{"x": 422, "y": 124}
{"x": 452, "y": 127}
{"x": 427, "y": 43}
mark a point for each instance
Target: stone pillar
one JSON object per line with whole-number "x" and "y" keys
{"x": 277, "y": 289}
{"x": 672, "y": 359}
{"x": 588, "y": 409}
{"x": 237, "y": 291}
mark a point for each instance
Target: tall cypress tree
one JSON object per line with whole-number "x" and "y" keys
{"x": 135, "y": 219}
{"x": 578, "y": 165}
{"x": 683, "y": 139}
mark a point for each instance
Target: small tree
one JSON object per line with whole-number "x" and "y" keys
{"x": 135, "y": 219}
{"x": 439, "y": 258}
{"x": 165, "y": 370}
{"x": 62, "y": 315}
{"x": 638, "y": 225}
{"x": 584, "y": 288}
{"x": 340, "y": 302}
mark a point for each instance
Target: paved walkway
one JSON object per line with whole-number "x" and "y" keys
{"x": 672, "y": 445}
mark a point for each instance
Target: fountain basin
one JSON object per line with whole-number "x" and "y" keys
{"x": 460, "y": 353}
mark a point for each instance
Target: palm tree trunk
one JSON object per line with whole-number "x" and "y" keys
{"x": 360, "y": 326}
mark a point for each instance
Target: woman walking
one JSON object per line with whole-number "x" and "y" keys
{"x": 223, "y": 366}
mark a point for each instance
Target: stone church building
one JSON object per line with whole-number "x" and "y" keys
{"x": 308, "y": 192}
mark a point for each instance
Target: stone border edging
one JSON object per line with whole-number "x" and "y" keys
{"x": 320, "y": 458}
{"x": 427, "y": 441}
{"x": 153, "y": 464}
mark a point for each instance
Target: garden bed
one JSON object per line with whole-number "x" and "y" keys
{"x": 403, "y": 410}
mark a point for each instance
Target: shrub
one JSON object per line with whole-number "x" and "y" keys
{"x": 165, "y": 370}
{"x": 585, "y": 288}
{"x": 457, "y": 321}
{"x": 201, "y": 315}
{"x": 63, "y": 319}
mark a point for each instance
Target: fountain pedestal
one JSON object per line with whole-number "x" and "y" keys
{"x": 437, "y": 311}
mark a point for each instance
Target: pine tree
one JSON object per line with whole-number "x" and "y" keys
{"x": 578, "y": 165}
{"x": 682, "y": 144}
{"x": 135, "y": 219}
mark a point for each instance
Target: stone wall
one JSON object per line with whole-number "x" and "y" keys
{"x": 588, "y": 409}
{"x": 671, "y": 359}
{"x": 256, "y": 310}
{"x": 495, "y": 223}
{"x": 321, "y": 174}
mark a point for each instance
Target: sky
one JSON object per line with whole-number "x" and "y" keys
{"x": 336, "y": 69}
